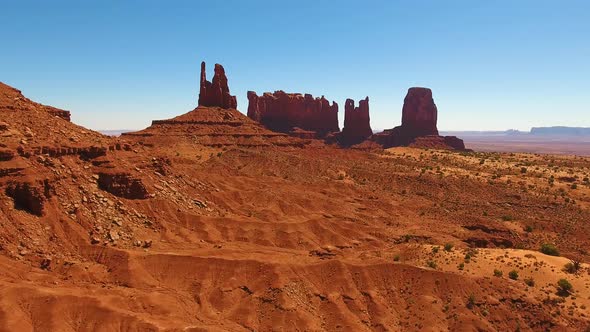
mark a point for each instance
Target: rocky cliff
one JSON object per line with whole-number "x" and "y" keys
{"x": 284, "y": 112}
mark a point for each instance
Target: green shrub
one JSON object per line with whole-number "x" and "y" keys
{"x": 396, "y": 258}
{"x": 498, "y": 273}
{"x": 529, "y": 282}
{"x": 513, "y": 275}
{"x": 528, "y": 228}
{"x": 448, "y": 246}
{"x": 549, "y": 249}
{"x": 435, "y": 249}
{"x": 564, "y": 287}
{"x": 431, "y": 264}
{"x": 572, "y": 267}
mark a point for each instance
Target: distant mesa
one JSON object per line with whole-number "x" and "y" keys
{"x": 357, "y": 126}
{"x": 561, "y": 131}
{"x": 418, "y": 129}
{"x": 216, "y": 93}
{"x": 294, "y": 113}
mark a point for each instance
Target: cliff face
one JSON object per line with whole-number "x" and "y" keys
{"x": 216, "y": 93}
{"x": 357, "y": 127}
{"x": 283, "y": 112}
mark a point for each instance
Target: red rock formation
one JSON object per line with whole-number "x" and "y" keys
{"x": 283, "y": 112}
{"x": 419, "y": 114}
{"x": 418, "y": 129}
{"x": 216, "y": 93}
{"x": 66, "y": 115}
{"x": 357, "y": 127}
{"x": 29, "y": 196}
{"x": 122, "y": 185}
{"x": 6, "y": 155}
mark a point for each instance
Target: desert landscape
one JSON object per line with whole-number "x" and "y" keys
{"x": 279, "y": 221}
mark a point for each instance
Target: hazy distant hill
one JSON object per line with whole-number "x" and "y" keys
{"x": 569, "y": 131}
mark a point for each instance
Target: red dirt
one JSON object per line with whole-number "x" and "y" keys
{"x": 243, "y": 229}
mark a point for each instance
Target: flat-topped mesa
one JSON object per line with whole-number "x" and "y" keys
{"x": 357, "y": 127}
{"x": 284, "y": 112}
{"x": 215, "y": 93}
{"x": 419, "y": 114}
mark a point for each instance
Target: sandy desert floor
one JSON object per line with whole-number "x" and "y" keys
{"x": 283, "y": 237}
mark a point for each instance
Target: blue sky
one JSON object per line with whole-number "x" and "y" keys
{"x": 120, "y": 64}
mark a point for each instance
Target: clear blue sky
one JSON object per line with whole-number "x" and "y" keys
{"x": 120, "y": 64}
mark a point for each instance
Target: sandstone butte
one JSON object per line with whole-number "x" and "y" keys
{"x": 215, "y": 93}
{"x": 357, "y": 126}
{"x": 294, "y": 112}
{"x": 419, "y": 125}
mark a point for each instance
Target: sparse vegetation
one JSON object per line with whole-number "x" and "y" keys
{"x": 396, "y": 258}
{"x": 448, "y": 247}
{"x": 549, "y": 249}
{"x": 564, "y": 287}
{"x": 507, "y": 218}
{"x": 471, "y": 301}
{"x": 573, "y": 267}
{"x": 435, "y": 249}
{"x": 529, "y": 282}
{"x": 513, "y": 275}
{"x": 498, "y": 273}
{"x": 431, "y": 264}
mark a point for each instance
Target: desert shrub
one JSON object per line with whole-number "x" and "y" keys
{"x": 528, "y": 228}
{"x": 513, "y": 275}
{"x": 572, "y": 267}
{"x": 431, "y": 264}
{"x": 564, "y": 287}
{"x": 529, "y": 282}
{"x": 549, "y": 249}
{"x": 574, "y": 186}
{"x": 523, "y": 170}
{"x": 448, "y": 247}
{"x": 435, "y": 249}
{"x": 507, "y": 218}
{"x": 461, "y": 266}
{"x": 396, "y": 258}
{"x": 471, "y": 301}
{"x": 498, "y": 273}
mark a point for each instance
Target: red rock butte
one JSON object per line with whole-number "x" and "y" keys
{"x": 357, "y": 126}
{"x": 418, "y": 129}
{"x": 294, "y": 112}
{"x": 216, "y": 93}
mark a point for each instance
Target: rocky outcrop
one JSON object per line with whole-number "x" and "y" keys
{"x": 284, "y": 112}
{"x": 6, "y": 155}
{"x": 66, "y": 115}
{"x": 29, "y": 196}
{"x": 122, "y": 185}
{"x": 216, "y": 93}
{"x": 418, "y": 129}
{"x": 357, "y": 127}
